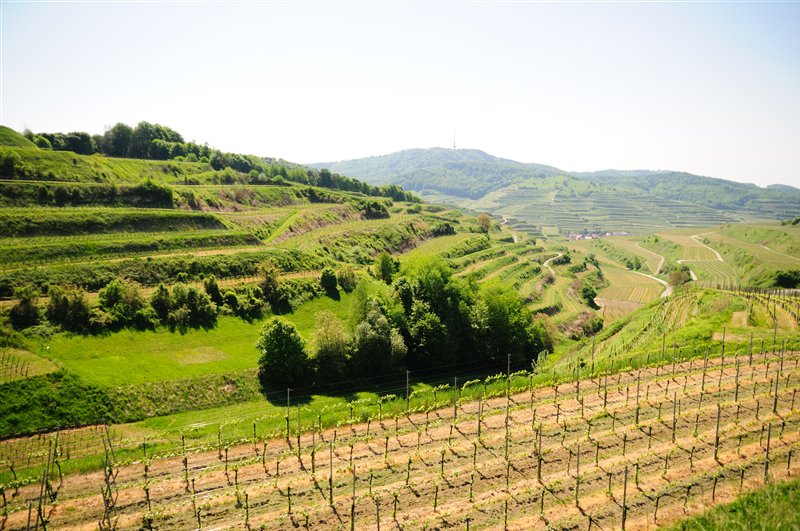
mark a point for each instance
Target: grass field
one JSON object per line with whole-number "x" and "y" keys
{"x": 770, "y": 507}
{"x": 16, "y": 364}
{"x": 131, "y": 357}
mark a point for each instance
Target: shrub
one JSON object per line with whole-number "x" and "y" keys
{"x": 25, "y": 312}
{"x": 283, "y": 360}
{"x": 328, "y": 281}
{"x": 347, "y": 279}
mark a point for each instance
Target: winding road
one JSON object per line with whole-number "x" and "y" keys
{"x": 547, "y": 263}
{"x": 661, "y": 258}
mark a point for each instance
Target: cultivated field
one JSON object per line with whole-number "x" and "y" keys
{"x": 635, "y": 449}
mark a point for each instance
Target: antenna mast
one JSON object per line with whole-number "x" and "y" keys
{"x": 454, "y": 138}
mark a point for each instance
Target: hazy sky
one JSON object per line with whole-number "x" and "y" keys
{"x": 710, "y": 88}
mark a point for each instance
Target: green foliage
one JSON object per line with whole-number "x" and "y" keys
{"x": 121, "y": 304}
{"x": 385, "y": 267}
{"x": 484, "y": 222}
{"x": 151, "y": 271}
{"x": 328, "y": 281}
{"x": 629, "y": 260}
{"x": 786, "y": 279}
{"x": 48, "y": 402}
{"x": 9, "y": 137}
{"x": 69, "y": 308}
{"x": 378, "y": 348}
{"x": 331, "y": 348}
{"x": 58, "y": 221}
{"x": 502, "y": 327}
{"x": 212, "y": 290}
{"x": 374, "y": 210}
{"x": 346, "y": 279}
{"x": 283, "y": 360}
{"x": 25, "y": 311}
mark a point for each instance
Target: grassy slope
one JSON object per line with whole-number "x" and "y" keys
{"x": 132, "y": 357}
{"x": 772, "y": 507}
{"x": 9, "y": 137}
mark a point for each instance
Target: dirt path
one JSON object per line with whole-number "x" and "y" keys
{"x": 667, "y": 286}
{"x": 658, "y": 424}
{"x": 547, "y": 263}
{"x": 661, "y": 258}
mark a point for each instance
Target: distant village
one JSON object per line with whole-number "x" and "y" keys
{"x": 594, "y": 235}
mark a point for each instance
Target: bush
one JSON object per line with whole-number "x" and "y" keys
{"x": 328, "y": 281}
{"x": 69, "y": 308}
{"x": 284, "y": 359}
{"x": 332, "y": 348}
{"x": 347, "y": 279}
{"x": 25, "y": 312}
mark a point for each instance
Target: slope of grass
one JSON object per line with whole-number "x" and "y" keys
{"x": 9, "y": 137}
{"x": 772, "y": 507}
{"x": 130, "y": 357}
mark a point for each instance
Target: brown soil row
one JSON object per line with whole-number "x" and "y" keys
{"x": 607, "y": 439}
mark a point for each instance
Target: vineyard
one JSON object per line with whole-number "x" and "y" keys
{"x": 627, "y": 449}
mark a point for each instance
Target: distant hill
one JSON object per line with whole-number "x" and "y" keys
{"x": 461, "y": 172}
{"x": 617, "y": 200}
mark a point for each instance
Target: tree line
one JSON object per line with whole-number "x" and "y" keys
{"x": 158, "y": 142}
{"x": 427, "y": 319}
{"x": 180, "y": 307}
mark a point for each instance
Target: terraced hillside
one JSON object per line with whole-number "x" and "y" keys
{"x": 538, "y": 196}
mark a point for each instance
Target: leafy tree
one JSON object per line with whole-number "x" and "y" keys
{"x": 120, "y": 300}
{"x": 117, "y": 140}
{"x": 588, "y": 293}
{"x": 346, "y": 279}
{"x": 428, "y": 336}
{"x": 385, "y": 267}
{"x": 484, "y": 222}
{"x": 270, "y": 283}
{"x": 331, "y": 348}
{"x": 501, "y": 326}
{"x": 328, "y": 281}
{"x": 68, "y": 308}
{"x": 284, "y": 359}
{"x": 161, "y": 302}
{"x": 679, "y": 275}
{"x": 787, "y": 278}
{"x": 212, "y": 289}
{"x": 378, "y": 347}
{"x": 25, "y": 312}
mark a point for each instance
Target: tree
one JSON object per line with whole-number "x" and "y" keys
{"x": 502, "y": 326}
{"x": 118, "y": 139}
{"x": 328, "y": 281}
{"x": 212, "y": 288}
{"x": 284, "y": 359}
{"x": 428, "y": 336}
{"x": 346, "y": 279}
{"x": 331, "y": 348}
{"x": 385, "y": 267}
{"x": 25, "y": 312}
{"x": 121, "y": 300}
{"x": 378, "y": 347}
{"x": 68, "y": 308}
{"x": 161, "y": 302}
{"x": 484, "y": 222}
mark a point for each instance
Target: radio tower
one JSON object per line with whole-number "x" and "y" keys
{"x": 454, "y": 138}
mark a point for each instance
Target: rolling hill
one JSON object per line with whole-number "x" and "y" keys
{"x": 537, "y": 196}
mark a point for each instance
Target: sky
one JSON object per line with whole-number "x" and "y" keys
{"x": 709, "y": 88}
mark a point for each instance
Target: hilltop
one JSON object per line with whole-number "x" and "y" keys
{"x": 542, "y": 197}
